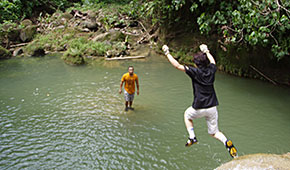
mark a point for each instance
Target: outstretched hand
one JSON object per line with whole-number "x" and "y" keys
{"x": 165, "y": 48}
{"x": 203, "y": 48}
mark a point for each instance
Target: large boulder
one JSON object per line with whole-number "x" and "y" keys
{"x": 28, "y": 33}
{"x": 258, "y": 161}
{"x": 4, "y": 53}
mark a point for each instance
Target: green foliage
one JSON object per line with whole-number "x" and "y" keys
{"x": 91, "y": 2}
{"x": 163, "y": 11}
{"x": 20, "y": 9}
{"x": 254, "y": 23}
{"x": 183, "y": 56}
{"x": 9, "y": 10}
{"x": 80, "y": 48}
{"x": 8, "y": 26}
{"x": 4, "y": 53}
{"x": 9, "y": 31}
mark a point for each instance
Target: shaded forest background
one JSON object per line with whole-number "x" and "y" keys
{"x": 246, "y": 36}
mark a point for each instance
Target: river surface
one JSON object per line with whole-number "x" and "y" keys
{"x": 56, "y": 116}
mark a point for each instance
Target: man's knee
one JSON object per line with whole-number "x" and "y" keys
{"x": 187, "y": 115}
{"x": 212, "y": 132}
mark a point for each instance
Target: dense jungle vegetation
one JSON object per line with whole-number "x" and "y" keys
{"x": 242, "y": 33}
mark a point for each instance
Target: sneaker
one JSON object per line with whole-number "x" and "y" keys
{"x": 231, "y": 148}
{"x": 131, "y": 108}
{"x": 126, "y": 109}
{"x": 191, "y": 141}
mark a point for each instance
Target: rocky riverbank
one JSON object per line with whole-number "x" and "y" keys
{"x": 85, "y": 34}
{"x": 81, "y": 35}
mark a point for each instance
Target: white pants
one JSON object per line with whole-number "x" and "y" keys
{"x": 210, "y": 114}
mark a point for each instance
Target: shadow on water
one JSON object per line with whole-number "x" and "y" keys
{"x": 55, "y": 116}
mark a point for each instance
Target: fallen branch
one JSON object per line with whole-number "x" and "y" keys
{"x": 18, "y": 45}
{"x": 125, "y": 58}
{"x": 263, "y": 75}
{"x": 144, "y": 28}
{"x": 153, "y": 33}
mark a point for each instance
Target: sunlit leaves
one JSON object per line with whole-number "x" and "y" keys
{"x": 203, "y": 22}
{"x": 193, "y": 7}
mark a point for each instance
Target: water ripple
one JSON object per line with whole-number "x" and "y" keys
{"x": 74, "y": 118}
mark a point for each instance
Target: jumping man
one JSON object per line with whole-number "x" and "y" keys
{"x": 129, "y": 78}
{"x": 205, "y": 99}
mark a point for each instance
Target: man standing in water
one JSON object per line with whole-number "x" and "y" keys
{"x": 129, "y": 78}
{"x": 205, "y": 100}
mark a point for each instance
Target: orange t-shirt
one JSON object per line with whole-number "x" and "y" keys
{"x": 129, "y": 82}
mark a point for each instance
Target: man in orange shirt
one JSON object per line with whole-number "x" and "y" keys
{"x": 129, "y": 78}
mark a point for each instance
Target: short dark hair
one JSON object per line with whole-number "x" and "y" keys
{"x": 200, "y": 59}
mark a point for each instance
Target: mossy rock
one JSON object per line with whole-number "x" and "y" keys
{"x": 4, "y": 53}
{"x": 38, "y": 52}
{"x": 11, "y": 30}
{"x": 91, "y": 14}
{"x": 28, "y": 33}
{"x": 35, "y": 49}
{"x": 8, "y": 26}
{"x": 26, "y": 22}
{"x": 100, "y": 36}
{"x": 73, "y": 57}
{"x": 115, "y": 36}
{"x": 92, "y": 25}
{"x": 67, "y": 16}
{"x": 13, "y": 35}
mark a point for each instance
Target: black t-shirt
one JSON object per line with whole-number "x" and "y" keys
{"x": 202, "y": 84}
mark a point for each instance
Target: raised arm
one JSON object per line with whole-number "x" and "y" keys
{"x": 205, "y": 50}
{"x": 171, "y": 59}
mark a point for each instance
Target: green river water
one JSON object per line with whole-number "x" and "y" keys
{"x": 56, "y": 116}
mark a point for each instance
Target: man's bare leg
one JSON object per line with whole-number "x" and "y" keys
{"x": 228, "y": 143}
{"x": 126, "y": 105}
{"x": 189, "y": 126}
{"x": 130, "y": 105}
